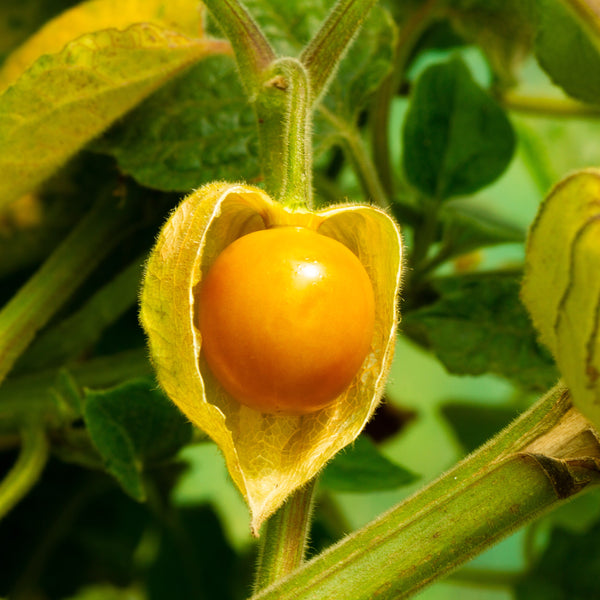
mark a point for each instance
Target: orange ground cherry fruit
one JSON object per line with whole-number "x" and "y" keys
{"x": 286, "y": 317}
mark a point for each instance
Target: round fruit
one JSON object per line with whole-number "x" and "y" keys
{"x": 286, "y": 317}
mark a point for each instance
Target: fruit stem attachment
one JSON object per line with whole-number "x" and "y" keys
{"x": 284, "y": 537}
{"x": 283, "y": 108}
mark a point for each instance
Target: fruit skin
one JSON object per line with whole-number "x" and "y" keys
{"x": 286, "y": 317}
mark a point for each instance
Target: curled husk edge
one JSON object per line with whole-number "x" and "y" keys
{"x": 268, "y": 456}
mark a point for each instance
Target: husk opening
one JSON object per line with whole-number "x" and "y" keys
{"x": 268, "y": 456}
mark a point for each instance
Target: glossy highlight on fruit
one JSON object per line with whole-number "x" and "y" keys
{"x": 286, "y": 317}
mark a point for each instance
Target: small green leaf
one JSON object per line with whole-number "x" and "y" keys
{"x": 457, "y": 139}
{"x": 132, "y": 425}
{"x": 362, "y": 468}
{"x": 475, "y": 424}
{"x": 561, "y": 288}
{"x": 478, "y": 325}
{"x": 197, "y": 129}
{"x": 560, "y": 38}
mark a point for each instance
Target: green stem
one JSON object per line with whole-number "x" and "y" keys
{"x": 424, "y": 235}
{"x": 253, "y": 52}
{"x": 356, "y": 150}
{"x": 410, "y": 34}
{"x": 284, "y": 114}
{"x": 35, "y": 396}
{"x": 28, "y": 468}
{"x": 540, "y": 106}
{"x": 324, "y": 52}
{"x": 284, "y": 537}
{"x": 71, "y": 337}
{"x": 547, "y": 455}
{"x": 52, "y": 285}
{"x": 536, "y": 159}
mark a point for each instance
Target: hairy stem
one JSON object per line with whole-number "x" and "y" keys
{"x": 284, "y": 115}
{"x": 546, "y": 456}
{"x": 324, "y": 52}
{"x": 284, "y": 538}
{"x": 253, "y": 52}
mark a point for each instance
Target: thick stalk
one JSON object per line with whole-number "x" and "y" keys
{"x": 26, "y": 471}
{"x": 284, "y": 116}
{"x": 253, "y": 53}
{"x": 324, "y": 52}
{"x": 284, "y": 538}
{"x": 547, "y": 455}
{"x": 52, "y": 285}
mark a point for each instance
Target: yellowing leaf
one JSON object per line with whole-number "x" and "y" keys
{"x": 66, "y": 99}
{"x": 182, "y": 16}
{"x": 268, "y": 455}
{"x": 561, "y": 288}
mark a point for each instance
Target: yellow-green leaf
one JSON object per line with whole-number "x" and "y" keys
{"x": 65, "y": 99}
{"x": 268, "y": 455}
{"x": 561, "y": 288}
{"x": 182, "y": 16}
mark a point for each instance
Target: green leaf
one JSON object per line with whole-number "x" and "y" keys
{"x": 478, "y": 325}
{"x": 560, "y": 38}
{"x": 486, "y": 24}
{"x": 66, "y": 99}
{"x": 467, "y": 227}
{"x": 132, "y": 425}
{"x": 561, "y": 288}
{"x": 568, "y": 569}
{"x": 362, "y": 468}
{"x": 197, "y": 129}
{"x": 475, "y": 424}
{"x": 456, "y": 137}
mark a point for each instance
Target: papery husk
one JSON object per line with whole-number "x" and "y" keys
{"x": 561, "y": 287}
{"x": 268, "y": 455}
